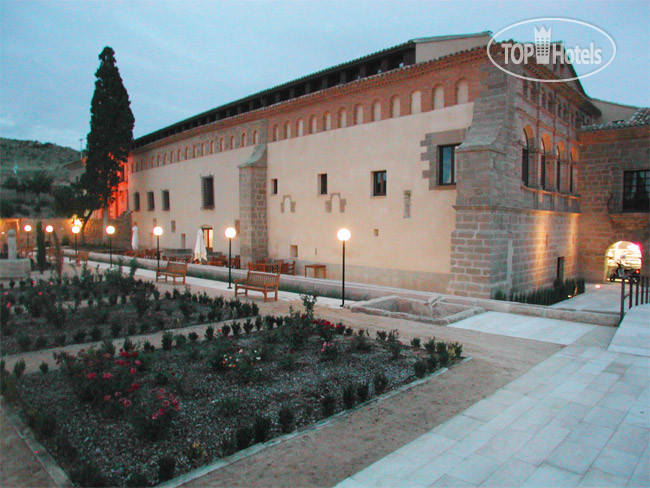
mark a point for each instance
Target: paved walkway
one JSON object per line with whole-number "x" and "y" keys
{"x": 633, "y": 336}
{"x": 602, "y": 297}
{"x": 580, "y": 418}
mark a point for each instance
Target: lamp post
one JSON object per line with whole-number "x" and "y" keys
{"x": 230, "y": 233}
{"x": 157, "y": 231}
{"x": 49, "y": 229}
{"x": 27, "y": 229}
{"x": 110, "y": 230}
{"x": 343, "y": 236}
{"x": 75, "y": 231}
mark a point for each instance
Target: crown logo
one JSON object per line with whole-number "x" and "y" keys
{"x": 542, "y": 45}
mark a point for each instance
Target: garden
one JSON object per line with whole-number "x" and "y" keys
{"x": 140, "y": 415}
{"x": 90, "y": 307}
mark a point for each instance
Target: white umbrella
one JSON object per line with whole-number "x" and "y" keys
{"x": 200, "y": 252}
{"x": 134, "y": 238}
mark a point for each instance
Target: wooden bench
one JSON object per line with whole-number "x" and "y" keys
{"x": 82, "y": 257}
{"x": 258, "y": 281}
{"x": 172, "y": 270}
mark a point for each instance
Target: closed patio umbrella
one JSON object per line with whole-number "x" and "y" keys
{"x": 134, "y": 238}
{"x": 200, "y": 253}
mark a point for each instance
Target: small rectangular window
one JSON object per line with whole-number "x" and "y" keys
{"x": 207, "y": 192}
{"x": 447, "y": 165}
{"x": 293, "y": 251}
{"x": 322, "y": 184}
{"x": 378, "y": 183}
{"x": 173, "y": 226}
{"x": 150, "y": 201}
{"x": 274, "y": 186}
{"x": 165, "y": 199}
{"x": 136, "y": 202}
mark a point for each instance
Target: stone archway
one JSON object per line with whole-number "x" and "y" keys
{"x": 629, "y": 254}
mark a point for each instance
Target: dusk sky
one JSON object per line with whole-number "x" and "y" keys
{"x": 178, "y": 59}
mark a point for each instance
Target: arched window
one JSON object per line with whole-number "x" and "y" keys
{"x": 462, "y": 92}
{"x": 203, "y": 147}
{"x": 573, "y": 170}
{"x": 358, "y": 114}
{"x": 178, "y": 155}
{"x": 256, "y": 138}
{"x": 438, "y": 98}
{"x": 212, "y": 146}
{"x": 276, "y": 133}
{"x": 343, "y": 118}
{"x": 327, "y": 121}
{"x": 300, "y": 128}
{"x": 243, "y": 139}
{"x": 416, "y": 102}
{"x": 221, "y": 144}
{"x": 187, "y": 152}
{"x": 287, "y": 130}
{"x": 542, "y": 163}
{"x": 558, "y": 167}
{"x": 312, "y": 125}
{"x": 376, "y": 110}
{"x": 525, "y": 160}
{"x": 395, "y": 107}
{"x": 232, "y": 142}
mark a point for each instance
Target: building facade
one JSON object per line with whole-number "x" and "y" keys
{"x": 451, "y": 175}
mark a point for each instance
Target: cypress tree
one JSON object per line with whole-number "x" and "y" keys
{"x": 40, "y": 247}
{"x": 111, "y": 133}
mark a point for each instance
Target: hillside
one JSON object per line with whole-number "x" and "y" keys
{"x": 29, "y": 156}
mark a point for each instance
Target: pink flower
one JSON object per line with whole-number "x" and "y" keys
{"x": 124, "y": 354}
{"x": 133, "y": 371}
{"x": 165, "y": 403}
{"x": 107, "y": 398}
{"x": 154, "y": 416}
{"x": 138, "y": 363}
{"x": 161, "y": 412}
{"x": 92, "y": 376}
{"x": 40, "y": 293}
{"x": 107, "y": 376}
{"x": 176, "y": 406}
{"x": 106, "y": 355}
{"x": 117, "y": 394}
{"x": 127, "y": 403}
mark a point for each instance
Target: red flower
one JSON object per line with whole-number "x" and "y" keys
{"x": 91, "y": 376}
{"x": 133, "y": 371}
{"x": 117, "y": 394}
{"x": 165, "y": 403}
{"x": 138, "y": 363}
{"x": 40, "y": 293}
{"x": 124, "y": 354}
{"x": 107, "y": 376}
{"x": 107, "y": 398}
{"x": 106, "y": 355}
{"x": 134, "y": 354}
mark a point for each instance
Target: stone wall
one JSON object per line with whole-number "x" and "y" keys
{"x": 604, "y": 156}
{"x": 253, "y": 229}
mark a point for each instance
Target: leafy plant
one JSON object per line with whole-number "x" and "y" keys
{"x": 167, "y": 340}
{"x": 430, "y": 345}
{"x": 415, "y": 343}
{"x": 19, "y": 368}
{"x": 262, "y": 428}
{"x": 420, "y": 369}
{"x": 349, "y": 395}
{"x": 44, "y": 367}
{"x": 166, "y": 468}
{"x": 328, "y": 404}
{"x": 380, "y": 383}
{"x": 286, "y": 419}
{"x": 362, "y": 392}
{"x": 209, "y": 333}
{"x": 192, "y": 336}
{"x": 244, "y": 437}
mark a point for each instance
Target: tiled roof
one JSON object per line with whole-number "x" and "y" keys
{"x": 639, "y": 118}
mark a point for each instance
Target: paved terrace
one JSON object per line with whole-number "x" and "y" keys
{"x": 578, "y": 418}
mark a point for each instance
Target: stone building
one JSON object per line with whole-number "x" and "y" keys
{"x": 452, "y": 175}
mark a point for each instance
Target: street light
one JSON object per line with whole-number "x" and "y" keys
{"x": 230, "y": 233}
{"x": 27, "y": 229}
{"x": 110, "y": 230}
{"x": 343, "y": 236}
{"x": 49, "y": 229}
{"x": 158, "y": 231}
{"x": 75, "y": 231}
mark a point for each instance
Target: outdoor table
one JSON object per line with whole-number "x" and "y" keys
{"x": 316, "y": 268}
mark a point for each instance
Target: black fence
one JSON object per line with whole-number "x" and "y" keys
{"x": 634, "y": 291}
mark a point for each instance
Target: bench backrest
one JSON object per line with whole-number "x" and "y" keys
{"x": 176, "y": 267}
{"x": 260, "y": 279}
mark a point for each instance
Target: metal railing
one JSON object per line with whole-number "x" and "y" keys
{"x": 638, "y": 293}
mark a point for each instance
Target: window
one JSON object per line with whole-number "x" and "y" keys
{"x": 243, "y": 139}
{"x": 287, "y": 130}
{"x": 173, "y": 226}
{"x": 378, "y": 183}
{"x": 462, "y": 92}
{"x": 438, "y": 98}
{"x": 358, "y": 114}
{"x": 416, "y": 102}
{"x": 207, "y": 192}
{"x": 274, "y": 186}
{"x": 447, "y": 165}
{"x": 322, "y": 184}
{"x": 636, "y": 188}
{"x": 327, "y": 121}
{"x": 395, "y": 108}
{"x": 165, "y": 199}
{"x": 136, "y": 202}
{"x": 542, "y": 166}
{"x": 376, "y": 111}
{"x": 150, "y": 201}
{"x": 300, "y": 128}
{"x": 558, "y": 172}
{"x": 407, "y": 204}
{"x": 208, "y": 236}
{"x": 343, "y": 119}
{"x": 312, "y": 124}
{"x": 525, "y": 162}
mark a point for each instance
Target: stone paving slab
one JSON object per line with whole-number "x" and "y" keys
{"x": 633, "y": 335}
{"x": 579, "y": 418}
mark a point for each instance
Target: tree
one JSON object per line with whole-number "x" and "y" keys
{"x": 110, "y": 137}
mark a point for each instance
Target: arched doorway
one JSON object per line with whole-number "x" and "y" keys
{"x": 627, "y": 253}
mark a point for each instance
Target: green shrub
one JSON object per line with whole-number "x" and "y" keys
{"x": 96, "y": 333}
{"x": 180, "y": 339}
{"x": 262, "y": 428}
{"x": 380, "y": 383}
{"x": 328, "y": 404}
{"x": 286, "y": 419}
{"x": 167, "y": 341}
{"x": 243, "y": 437}
{"x": 227, "y": 406}
{"x": 137, "y": 480}
{"x": 499, "y": 295}
{"x": 349, "y": 395}
{"x": 44, "y": 367}
{"x": 88, "y": 475}
{"x": 415, "y": 343}
{"x": 430, "y": 345}
{"x": 209, "y": 333}
{"x": 19, "y": 368}
{"x": 432, "y": 362}
{"x": 193, "y": 336}
{"x": 24, "y": 341}
{"x": 420, "y": 369}
{"x": 60, "y": 339}
{"x": 362, "y": 392}
{"x": 8, "y": 387}
{"x": 41, "y": 342}
{"x": 166, "y": 468}
{"x": 116, "y": 328}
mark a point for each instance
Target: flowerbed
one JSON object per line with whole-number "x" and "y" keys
{"x": 137, "y": 417}
{"x": 92, "y": 307}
